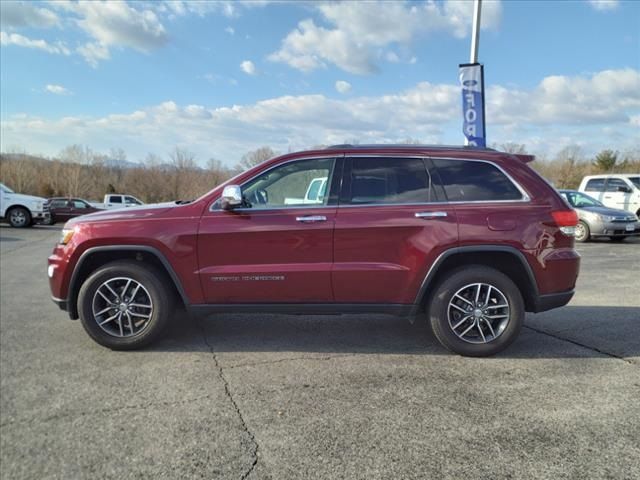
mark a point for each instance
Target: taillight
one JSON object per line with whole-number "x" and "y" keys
{"x": 566, "y": 220}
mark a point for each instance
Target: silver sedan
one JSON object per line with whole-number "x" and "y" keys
{"x": 596, "y": 220}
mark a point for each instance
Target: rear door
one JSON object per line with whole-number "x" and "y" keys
{"x": 276, "y": 248}
{"x": 391, "y": 225}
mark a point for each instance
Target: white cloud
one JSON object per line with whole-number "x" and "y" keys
{"x": 115, "y": 24}
{"x": 604, "y": 5}
{"x": 557, "y": 109}
{"x": 18, "y": 40}
{"x": 57, "y": 90}
{"x": 26, "y": 14}
{"x": 230, "y": 30}
{"x": 248, "y": 67}
{"x": 343, "y": 87}
{"x": 359, "y": 30}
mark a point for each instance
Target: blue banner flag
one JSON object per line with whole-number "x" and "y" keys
{"x": 472, "y": 82}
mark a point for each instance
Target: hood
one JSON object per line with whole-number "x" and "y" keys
{"x": 19, "y": 197}
{"x": 129, "y": 213}
{"x": 614, "y": 212}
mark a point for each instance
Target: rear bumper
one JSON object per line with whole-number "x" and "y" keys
{"x": 60, "y": 302}
{"x": 552, "y": 300}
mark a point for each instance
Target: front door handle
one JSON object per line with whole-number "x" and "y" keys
{"x": 311, "y": 219}
{"x": 428, "y": 215}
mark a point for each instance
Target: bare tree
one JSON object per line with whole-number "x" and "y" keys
{"x": 255, "y": 157}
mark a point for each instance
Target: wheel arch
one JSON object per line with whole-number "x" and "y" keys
{"x": 503, "y": 258}
{"x": 93, "y": 258}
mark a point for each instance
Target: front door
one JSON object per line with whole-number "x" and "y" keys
{"x": 390, "y": 227}
{"x": 276, "y": 248}
{"x": 617, "y": 194}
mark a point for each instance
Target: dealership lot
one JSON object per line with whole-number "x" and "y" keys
{"x": 237, "y": 396}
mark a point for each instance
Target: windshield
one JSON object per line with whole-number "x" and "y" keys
{"x": 635, "y": 181}
{"x": 5, "y": 189}
{"x": 580, "y": 200}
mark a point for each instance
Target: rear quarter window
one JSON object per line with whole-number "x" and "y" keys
{"x": 473, "y": 181}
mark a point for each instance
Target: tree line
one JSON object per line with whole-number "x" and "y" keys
{"x": 81, "y": 172}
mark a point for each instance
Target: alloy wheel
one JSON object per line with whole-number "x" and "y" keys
{"x": 478, "y": 313}
{"x": 122, "y": 307}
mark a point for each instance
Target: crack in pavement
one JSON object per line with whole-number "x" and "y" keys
{"x": 290, "y": 359}
{"x": 227, "y": 391}
{"x": 116, "y": 409}
{"x": 583, "y": 345}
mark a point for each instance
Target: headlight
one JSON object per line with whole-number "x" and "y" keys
{"x": 38, "y": 205}
{"x": 607, "y": 218}
{"x": 66, "y": 235}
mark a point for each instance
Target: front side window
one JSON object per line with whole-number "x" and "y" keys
{"x": 387, "y": 180}
{"x": 595, "y": 185}
{"x": 616, "y": 185}
{"x": 290, "y": 185}
{"x": 472, "y": 181}
{"x": 131, "y": 201}
{"x": 79, "y": 204}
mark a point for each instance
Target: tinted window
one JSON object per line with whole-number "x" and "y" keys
{"x": 58, "y": 204}
{"x": 287, "y": 185}
{"x": 595, "y": 185}
{"x": 635, "y": 181}
{"x": 115, "y": 199}
{"x": 389, "y": 180}
{"x": 467, "y": 181}
{"x": 614, "y": 184}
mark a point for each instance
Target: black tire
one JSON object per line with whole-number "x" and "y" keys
{"x": 152, "y": 280}
{"x": 617, "y": 239}
{"x": 458, "y": 279}
{"x": 583, "y": 234}
{"x": 19, "y": 217}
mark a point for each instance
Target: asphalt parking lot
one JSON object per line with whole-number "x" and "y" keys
{"x": 238, "y": 396}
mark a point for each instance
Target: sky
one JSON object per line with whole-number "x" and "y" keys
{"x": 223, "y": 78}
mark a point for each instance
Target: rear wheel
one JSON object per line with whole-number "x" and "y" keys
{"x": 476, "y": 311}
{"x": 582, "y": 232}
{"x": 19, "y": 217}
{"x": 124, "y": 305}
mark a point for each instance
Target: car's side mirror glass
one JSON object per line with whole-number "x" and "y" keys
{"x": 231, "y": 197}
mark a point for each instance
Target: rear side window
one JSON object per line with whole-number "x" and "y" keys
{"x": 377, "y": 180}
{"x": 469, "y": 181}
{"x": 115, "y": 199}
{"x": 595, "y": 185}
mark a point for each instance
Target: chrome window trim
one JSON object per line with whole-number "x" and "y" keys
{"x": 299, "y": 159}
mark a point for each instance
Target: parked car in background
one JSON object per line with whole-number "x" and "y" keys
{"x": 22, "y": 210}
{"x": 469, "y": 238}
{"x": 63, "y": 209}
{"x": 614, "y": 190}
{"x": 117, "y": 200}
{"x": 598, "y": 220}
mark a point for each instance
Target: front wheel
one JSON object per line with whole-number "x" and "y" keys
{"x": 125, "y": 305}
{"x": 582, "y": 232}
{"x": 19, "y": 217}
{"x": 476, "y": 311}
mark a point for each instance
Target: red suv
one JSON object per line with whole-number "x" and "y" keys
{"x": 472, "y": 238}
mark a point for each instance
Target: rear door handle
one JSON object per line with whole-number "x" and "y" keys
{"x": 428, "y": 215}
{"x": 311, "y": 219}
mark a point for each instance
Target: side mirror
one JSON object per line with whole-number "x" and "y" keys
{"x": 231, "y": 197}
{"x": 624, "y": 189}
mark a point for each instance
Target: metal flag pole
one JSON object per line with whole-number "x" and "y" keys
{"x": 472, "y": 82}
{"x": 475, "y": 32}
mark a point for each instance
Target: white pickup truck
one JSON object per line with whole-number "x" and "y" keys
{"x": 22, "y": 210}
{"x": 314, "y": 194}
{"x": 118, "y": 200}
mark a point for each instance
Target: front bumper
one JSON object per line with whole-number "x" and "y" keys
{"x": 614, "y": 229}
{"x": 60, "y": 302}
{"x": 41, "y": 217}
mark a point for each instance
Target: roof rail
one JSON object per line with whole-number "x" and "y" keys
{"x": 407, "y": 146}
